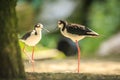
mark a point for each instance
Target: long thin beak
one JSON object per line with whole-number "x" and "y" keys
{"x": 46, "y": 30}
{"x": 56, "y": 28}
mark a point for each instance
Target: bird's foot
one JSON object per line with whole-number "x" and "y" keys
{"x": 76, "y": 70}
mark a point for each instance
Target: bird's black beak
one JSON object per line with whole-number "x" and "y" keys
{"x": 56, "y": 28}
{"x": 46, "y": 30}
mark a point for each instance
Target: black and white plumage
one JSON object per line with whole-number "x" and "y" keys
{"x": 75, "y": 32}
{"x": 33, "y": 37}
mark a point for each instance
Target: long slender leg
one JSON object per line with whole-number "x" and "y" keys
{"x": 33, "y": 53}
{"x": 27, "y": 54}
{"x": 33, "y": 59}
{"x": 33, "y": 66}
{"x": 78, "y": 56}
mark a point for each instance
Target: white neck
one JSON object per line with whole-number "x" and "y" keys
{"x": 38, "y": 31}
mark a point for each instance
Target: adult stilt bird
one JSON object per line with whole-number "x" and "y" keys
{"x": 75, "y": 32}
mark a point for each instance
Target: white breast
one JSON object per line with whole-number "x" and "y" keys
{"x": 33, "y": 40}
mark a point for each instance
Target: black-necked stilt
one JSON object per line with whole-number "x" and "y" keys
{"x": 75, "y": 32}
{"x": 32, "y": 38}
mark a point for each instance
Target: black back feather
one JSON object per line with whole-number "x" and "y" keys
{"x": 78, "y": 29}
{"x": 26, "y": 36}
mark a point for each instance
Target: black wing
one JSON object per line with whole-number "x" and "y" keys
{"x": 26, "y": 36}
{"x": 77, "y": 29}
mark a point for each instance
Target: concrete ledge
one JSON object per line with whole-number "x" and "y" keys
{"x": 70, "y": 76}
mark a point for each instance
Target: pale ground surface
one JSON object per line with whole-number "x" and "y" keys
{"x": 70, "y": 65}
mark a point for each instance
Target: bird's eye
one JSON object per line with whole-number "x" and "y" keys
{"x": 59, "y": 22}
{"x": 37, "y": 26}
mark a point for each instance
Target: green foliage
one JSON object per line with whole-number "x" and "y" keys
{"x": 50, "y": 40}
{"x": 104, "y": 18}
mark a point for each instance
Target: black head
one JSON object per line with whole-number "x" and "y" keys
{"x": 38, "y": 26}
{"x": 61, "y": 23}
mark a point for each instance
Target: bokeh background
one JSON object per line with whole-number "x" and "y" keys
{"x": 103, "y": 16}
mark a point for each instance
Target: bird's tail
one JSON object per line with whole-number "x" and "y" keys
{"x": 21, "y": 40}
{"x": 91, "y": 33}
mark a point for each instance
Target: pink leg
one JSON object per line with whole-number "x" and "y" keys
{"x": 33, "y": 59}
{"x": 33, "y": 53}
{"x": 78, "y": 56}
{"x": 33, "y": 67}
{"x": 27, "y": 54}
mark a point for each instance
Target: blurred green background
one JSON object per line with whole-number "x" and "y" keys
{"x": 103, "y": 16}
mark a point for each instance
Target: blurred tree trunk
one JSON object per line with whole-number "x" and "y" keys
{"x": 11, "y": 66}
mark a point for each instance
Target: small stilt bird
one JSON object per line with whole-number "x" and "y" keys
{"x": 75, "y": 32}
{"x": 32, "y": 38}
